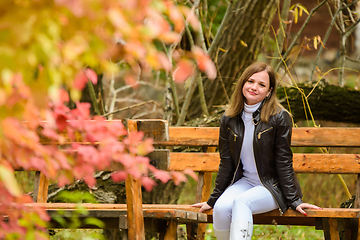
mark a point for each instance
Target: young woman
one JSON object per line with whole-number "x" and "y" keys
{"x": 255, "y": 173}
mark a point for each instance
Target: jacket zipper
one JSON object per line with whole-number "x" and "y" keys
{"x": 259, "y": 134}
{"x": 237, "y": 167}
{"x": 235, "y": 135}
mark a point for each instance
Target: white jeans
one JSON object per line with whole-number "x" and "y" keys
{"x": 240, "y": 201}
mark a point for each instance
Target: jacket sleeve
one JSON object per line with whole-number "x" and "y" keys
{"x": 226, "y": 167}
{"x": 284, "y": 161}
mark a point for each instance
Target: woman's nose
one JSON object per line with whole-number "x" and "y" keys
{"x": 254, "y": 87}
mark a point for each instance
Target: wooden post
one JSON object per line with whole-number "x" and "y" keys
{"x": 171, "y": 231}
{"x": 41, "y": 187}
{"x": 205, "y": 194}
{"x": 355, "y": 233}
{"x": 203, "y": 191}
{"x": 135, "y": 215}
{"x": 134, "y": 209}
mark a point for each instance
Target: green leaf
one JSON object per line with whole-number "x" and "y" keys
{"x": 94, "y": 222}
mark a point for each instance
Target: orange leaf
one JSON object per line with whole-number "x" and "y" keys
{"x": 184, "y": 69}
{"x": 204, "y": 62}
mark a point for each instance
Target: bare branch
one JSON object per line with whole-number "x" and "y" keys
{"x": 133, "y": 106}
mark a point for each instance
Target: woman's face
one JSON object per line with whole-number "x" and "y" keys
{"x": 256, "y": 88}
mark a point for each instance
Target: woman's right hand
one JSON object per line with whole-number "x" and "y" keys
{"x": 203, "y": 206}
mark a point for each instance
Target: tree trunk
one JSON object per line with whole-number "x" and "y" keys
{"x": 239, "y": 45}
{"x": 327, "y": 102}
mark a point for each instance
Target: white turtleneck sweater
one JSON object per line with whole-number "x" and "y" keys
{"x": 247, "y": 151}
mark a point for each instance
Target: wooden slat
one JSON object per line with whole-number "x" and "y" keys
{"x": 326, "y": 137}
{"x": 303, "y": 163}
{"x": 301, "y": 137}
{"x": 191, "y": 136}
{"x": 326, "y": 212}
{"x": 157, "y": 129}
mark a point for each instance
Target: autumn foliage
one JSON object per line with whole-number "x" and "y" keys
{"x": 49, "y": 50}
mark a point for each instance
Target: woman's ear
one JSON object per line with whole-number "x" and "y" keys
{"x": 269, "y": 93}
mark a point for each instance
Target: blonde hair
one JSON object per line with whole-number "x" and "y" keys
{"x": 271, "y": 105}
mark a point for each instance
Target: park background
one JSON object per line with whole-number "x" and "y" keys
{"x": 321, "y": 54}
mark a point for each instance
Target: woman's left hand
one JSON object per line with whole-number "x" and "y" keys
{"x": 303, "y": 206}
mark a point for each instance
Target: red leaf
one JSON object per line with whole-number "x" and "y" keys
{"x": 131, "y": 80}
{"x": 49, "y": 133}
{"x": 164, "y": 61}
{"x": 145, "y": 147}
{"x": 80, "y": 81}
{"x": 119, "y": 176}
{"x": 191, "y": 173}
{"x": 178, "y": 177}
{"x": 163, "y": 176}
{"x": 63, "y": 96}
{"x": 90, "y": 180}
{"x": 62, "y": 181}
{"x": 82, "y": 110}
{"x": 91, "y": 74}
{"x": 61, "y": 122}
{"x": 148, "y": 183}
{"x": 184, "y": 69}
{"x": 133, "y": 140}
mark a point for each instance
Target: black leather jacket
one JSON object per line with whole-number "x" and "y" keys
{"x": 273, "y": 157}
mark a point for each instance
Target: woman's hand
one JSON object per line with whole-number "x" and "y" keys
{"x": 203, "y": 206}
{"x": 303, "y": 206}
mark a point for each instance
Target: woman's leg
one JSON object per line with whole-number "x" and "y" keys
{"x": 223, "y": 208}
{"x": 255, "y": 200}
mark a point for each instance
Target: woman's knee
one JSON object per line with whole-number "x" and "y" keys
{"x": 241, "y": 201}
{"x": 222, "y": 210}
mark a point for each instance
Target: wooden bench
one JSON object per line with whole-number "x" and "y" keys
{"x": 131, "y": 217}
{"x": 330, "y": 220}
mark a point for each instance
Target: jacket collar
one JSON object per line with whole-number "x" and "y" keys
{"x": 256, "y": 114}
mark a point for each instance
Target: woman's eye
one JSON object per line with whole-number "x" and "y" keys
{"x": 263, "y": 85}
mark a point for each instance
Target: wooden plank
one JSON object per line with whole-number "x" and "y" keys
{"x": 157, "y": 129}
{"x": 171, "y": 231}
{"x": 333, "y": 229}
{"x": 191, "y": 136}
{"x": 303, "y": 163}
{"x": 326, "y": 137}
{"x": 160, "y": 158}
{"x": 301, "y": 137}
{"x": 41, "y": 186}
{"x": 326, "y": 212}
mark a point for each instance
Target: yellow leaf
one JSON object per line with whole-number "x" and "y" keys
{"x": 8, "y": 178}
{"x": 296, "y": 15}
{"x": 243, "y": 43}
{"x": 303, "y": 8}
{"x": 315, "y": 42}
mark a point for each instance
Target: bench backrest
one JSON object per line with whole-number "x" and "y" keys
{"x": 208, "y": 161}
